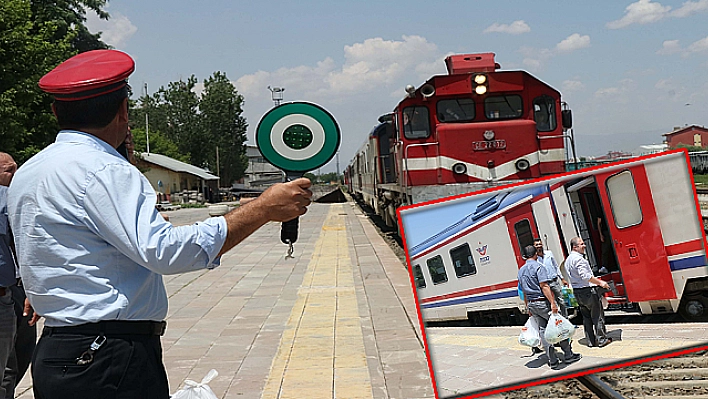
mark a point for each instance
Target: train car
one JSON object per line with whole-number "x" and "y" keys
{"x": 656, "y": 260}
{"x": 471, "y": 129}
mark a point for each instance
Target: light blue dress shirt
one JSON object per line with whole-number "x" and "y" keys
{"x": 90, "y": 243}
{"x": 530, "y": 277}
{"x": 549, "y": 262}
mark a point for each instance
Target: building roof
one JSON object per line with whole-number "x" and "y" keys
{"x": 678, "y": 130}
{"x": 177, "y": 166}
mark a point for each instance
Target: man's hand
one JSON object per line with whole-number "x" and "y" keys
{"x": 279, "y": 203}
{"x": 285, "y": 201}
{"x": 27, "y": 310}
{"x": 554, "y": 307}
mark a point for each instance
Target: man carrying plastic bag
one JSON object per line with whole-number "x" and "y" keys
{"x": 533, "y": 280}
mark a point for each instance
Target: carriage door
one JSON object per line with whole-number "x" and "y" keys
{"x": 522, "y": 229}
{"x": 636, "y": 234}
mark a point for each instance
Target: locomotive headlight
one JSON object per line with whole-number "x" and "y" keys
{"x": 480, "y": 89}
{"x": 459, "y": 168}
{"x": 480, "y": 79}
{"x": 522, "y": 164}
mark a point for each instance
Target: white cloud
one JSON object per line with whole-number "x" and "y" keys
{"x": 619, "y": 93}
{"x": 533, "y": 64}
{"x": 515, "y": 28}
{"x": 116, "y": 31}
{"x": 669, "y": 47}
{"x": 698, "y": 46}
{"x": 689, "y": 8}
{"x": 572, "y": 85}
{"x": 673, "y": 47}
{"x": 641, "y": 12}
{"x": 573, "y": 42}
{"x": 368, "y": 65}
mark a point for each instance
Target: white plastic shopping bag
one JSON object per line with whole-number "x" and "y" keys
{"x": 194, "y": 390}
{"x": 529, "y": 334}
{"x": 558, "y": 329}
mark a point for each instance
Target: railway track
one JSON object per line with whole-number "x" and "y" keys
{"x": 680, "y": 377}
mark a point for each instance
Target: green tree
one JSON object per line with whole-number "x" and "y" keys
{"x": 159, "y": 144}
{"x": 183, "y": 122}
{"x": 223, "y": 126}
{"x": 36, "y": 36}
{"x": 691, "y": 148}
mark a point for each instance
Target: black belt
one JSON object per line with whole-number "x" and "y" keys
{"x": 538, "y": 299}
{"x": 113, "y": 327}
{"x": 582, "y": 288}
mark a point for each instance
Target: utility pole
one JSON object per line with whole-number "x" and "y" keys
{"x": 217, "y": 161}
{"x": 147, "y": 125}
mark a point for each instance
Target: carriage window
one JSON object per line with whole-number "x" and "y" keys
{"x": 623, "y": 200}
{"x": 418, "y": 275}
{"x": 416, "y": 122}
{"x": 462, "y": 260}
{"x": 437, "y": 270}
{"x": 544, "y": 113}
{"x": 503, "y": 107}
{"x": 523, "y": 234}
{"x": 456, "y": 110}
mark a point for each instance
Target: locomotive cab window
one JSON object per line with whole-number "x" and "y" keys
{"x": 544, "y": 113}
{"x": 416, "y": 122}
{"x": 437, "y": 269}
{"x": 462, "y": 260}
{"x": 503, "y": 107}
{"x": 624, "y": 200}
{"x": 418, "y": 275}
{"x": 523, "y": 234}
{"x": 455, "y": 110}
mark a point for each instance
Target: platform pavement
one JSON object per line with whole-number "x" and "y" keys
{"x": 338, "y": 321}
{"x": 481, "y": 358}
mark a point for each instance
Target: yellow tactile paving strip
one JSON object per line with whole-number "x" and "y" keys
{"x": 627, "y": 348}
{"x": 321, "y": 353}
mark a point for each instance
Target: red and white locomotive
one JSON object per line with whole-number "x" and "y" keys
{"x": 471, "y": 129}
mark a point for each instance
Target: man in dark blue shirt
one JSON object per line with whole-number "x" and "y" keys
{"x": 533, "y": 281}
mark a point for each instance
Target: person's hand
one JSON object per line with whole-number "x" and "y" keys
{"x": 286, "y": 201}
{"x": 565, "y": 283}
{"x": 605, "y": 285}
{"x": 554, "y": 307}
{"x": 27, "y": 310}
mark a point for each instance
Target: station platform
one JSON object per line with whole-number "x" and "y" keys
{"x": 477, "y": 359}
{"x": 337, "y": 321}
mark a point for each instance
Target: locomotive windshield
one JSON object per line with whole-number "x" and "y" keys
{"x": 416, "y": 122}
{"x": 455, "y": 110}
{"x": 503, "y": 107}
{"x": 544, "y": 113}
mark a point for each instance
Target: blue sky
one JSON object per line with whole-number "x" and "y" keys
{"x": 630, "y": 70}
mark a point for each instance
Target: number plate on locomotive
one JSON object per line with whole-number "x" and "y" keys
{"x": 489, "y": 145}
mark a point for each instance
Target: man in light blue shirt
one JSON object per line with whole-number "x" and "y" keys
{"x": 93, "y": 248}
{"x": 533, "y": 281}
{"x": 549, "y": 262}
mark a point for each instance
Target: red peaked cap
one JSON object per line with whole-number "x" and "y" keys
{"x": 87, "y": 75}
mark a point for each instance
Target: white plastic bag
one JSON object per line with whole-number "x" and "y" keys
{"x": 193, "y": 390}
{"x": 529, "y": 334}
{"x": 558, "y": 329}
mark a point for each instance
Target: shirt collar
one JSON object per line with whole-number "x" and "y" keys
{"x": 75, "y": 136}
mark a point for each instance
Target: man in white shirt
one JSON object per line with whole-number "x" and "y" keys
{"x": 584, "y": 282}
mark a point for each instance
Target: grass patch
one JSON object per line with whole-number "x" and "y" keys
{"x": 197, "y": 205}
{"x": 700, "y": 179}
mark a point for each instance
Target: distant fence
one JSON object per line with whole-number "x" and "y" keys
{"x": 699, "y": 161}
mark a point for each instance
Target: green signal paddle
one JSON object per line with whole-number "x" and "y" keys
{"x": 297, "y": 137}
